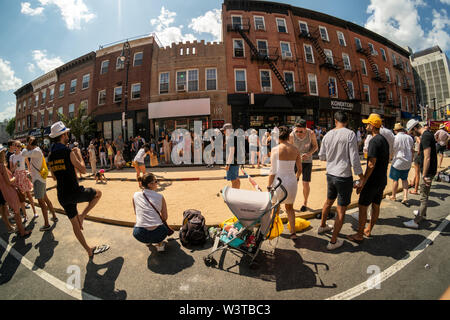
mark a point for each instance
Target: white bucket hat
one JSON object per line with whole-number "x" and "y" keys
{"x": 58, "y": 129}
{"x": 411, "y": 124}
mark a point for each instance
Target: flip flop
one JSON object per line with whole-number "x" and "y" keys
{"x": 293, "y": 236}
{"x": 405, "y": 203}
{"x": 99, "y": 249}
{"x": 413, "y": 192}
{"x": 352, "y": 238}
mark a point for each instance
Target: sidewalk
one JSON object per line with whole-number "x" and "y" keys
{"x": 116, "y": 207}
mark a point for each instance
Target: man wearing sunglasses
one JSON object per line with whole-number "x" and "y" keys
{"x": 305, "y": 141}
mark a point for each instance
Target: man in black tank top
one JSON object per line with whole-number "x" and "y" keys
{"x": 62, "y": 162}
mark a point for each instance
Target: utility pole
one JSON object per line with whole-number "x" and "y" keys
{"x": 435, "y": 114}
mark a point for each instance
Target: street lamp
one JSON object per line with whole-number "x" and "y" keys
{"x": 125, "y": 58}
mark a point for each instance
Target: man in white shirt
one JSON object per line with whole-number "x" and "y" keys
{"x": 39, "y": 183}
{"x": 403, "y": 151}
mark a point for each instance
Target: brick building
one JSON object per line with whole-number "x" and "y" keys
{"x": 189, "y": 83}
{"x": 286, "y": 62}
{"x": 108, "y": 95}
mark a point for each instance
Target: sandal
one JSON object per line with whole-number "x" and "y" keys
{"x": 99, "y": 249}
{"x": 413, "y": 192}
{"x": 353, "y": 239}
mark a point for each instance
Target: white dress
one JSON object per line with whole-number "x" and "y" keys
{"x": 285, "y": 171}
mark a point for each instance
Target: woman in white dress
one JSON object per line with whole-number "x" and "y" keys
{"x": 283, "y": 158}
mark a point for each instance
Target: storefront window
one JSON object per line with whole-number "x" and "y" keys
{"x": 107, "y": 130}
{"x": 117, "y": 128}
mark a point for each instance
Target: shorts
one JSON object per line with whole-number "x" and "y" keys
{"x": 396, "y": 174}
{"x": 233, "y": 173}
{"x": 371, "y": 194}
{"x": 440, "y": 149}
{"x": 417, "y": 159}
{"x": 146, "y": 236}
{"x": 306, "y": 172}
{"x": 69, "y": 204}
{"x": 340, "y": 188}
{"x": 2, "y": 200}
{"x": 40, "y": 188}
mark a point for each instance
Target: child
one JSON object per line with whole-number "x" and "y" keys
{"x": 100, "y": 175}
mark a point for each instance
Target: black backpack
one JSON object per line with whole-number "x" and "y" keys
{"x": 193, "y": 231}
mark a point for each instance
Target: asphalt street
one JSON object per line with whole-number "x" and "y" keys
{"x": 40, "y": 266}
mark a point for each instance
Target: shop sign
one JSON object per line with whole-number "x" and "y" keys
{"x": 218, "y": 123}
{"x": 341, "y": 105}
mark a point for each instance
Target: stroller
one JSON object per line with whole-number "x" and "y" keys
{"x": 255, "y": 213}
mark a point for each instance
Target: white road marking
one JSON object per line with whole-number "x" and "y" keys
{"x": 396, "y": 267}
{"x": 75, "y": 293}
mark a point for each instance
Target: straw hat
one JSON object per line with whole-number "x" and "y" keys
{"x": 398, "y": 127}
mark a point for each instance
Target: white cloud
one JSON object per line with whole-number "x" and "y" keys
{"x": 399, "y": 21}
{"x": 8, "y": 81}
{"x": 43, "y": 62}
{"x": 27, "y": 10}
{"x": 167, "y": 33}
{"x": 210, "y": 22}
{"x": 9, "y": 112}
{"x": 446, "y": 2}
{"x": 31, "y": 67}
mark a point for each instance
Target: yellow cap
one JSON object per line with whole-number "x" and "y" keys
{"x": 374, "y": 119}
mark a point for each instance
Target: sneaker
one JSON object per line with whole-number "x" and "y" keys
{"x": 333, "y": 246}
{"x": 411, "y": 224}
{"x": 45, "y": 228}
{"x": 327, "y": 228}
{"x": 160, "y": 247}
{"x": 303, "y": 209}
{"x": 416, "y": 212}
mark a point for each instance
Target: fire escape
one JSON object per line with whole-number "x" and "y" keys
{"x": 243, "y": 27}
{"x": 314, "y": 36}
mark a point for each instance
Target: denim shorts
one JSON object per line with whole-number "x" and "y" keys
{"x": 146, "y": 236}
{"x": 396, "y": 174}
{"x": 233, "y": 173}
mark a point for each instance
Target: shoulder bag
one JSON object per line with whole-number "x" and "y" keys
{"x": 170, "y": 230}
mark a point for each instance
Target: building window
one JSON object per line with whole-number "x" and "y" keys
{"x": 236, "y": 22}
{"x": 71, "y": 110}
{"x": 164, "y": 83}
{"x": 366, "y": 93}
{"x": 377, "y": 73}
{"x": 102, "y": 97}
{"x": 286, "y": 50}
{"x": 351, "y": 90}
{"x": 289, "y": 78}
{"x": 24, "y": 105}
{"x": 136, "y": 91}
{"x": 60, "y": 112}
{"x": 388, "y": 75}
{"x": 266, "y": 82}
{"x": 309, "y": 53}
{"x": 346, "y": 60}
{"x": 312, "y": 81}
{"x": 372, "y": 50}
{"x": 105, "y": 67}
{"x": 238, "y": 46}
{"x": 36, "y": 102}
{"x": 329, "y": 55}
{"x": 383, "y": 54}
{"x": 303, "y": 28}
{"x": 324, "y": 33}
{"x": 407, "y": 67}
{"x": 138, "y": 59}
{"x": 73, "y": 85}
{"x": 18, "y": 109}
{"x": 44, "y": 96}
{"x": 399, "y": 82}
{"x": 241, "y": 80}
{"x": 193, "y": 80}
{"x": 262, "y": 47}
{"x": 52, "y": 94}
{"x": 259, "y": 23}
{"x": 332, "y": 87}
{"x": 363, "y": 67}
{"x": 62, "y": 87}
{"x": 341, "y": 39}
{"x": 394, "y": 59}
{"x": 281, "y": 24}
{"x": 120, "y": 64}
{"x": 117, "y": 94}
{"x": 50, "y": 117}
{"x": 181, "y": 81}
{"x": 211, "y": 79}
{"x": 86, "y": 79}
{"x": 358, "y": 44}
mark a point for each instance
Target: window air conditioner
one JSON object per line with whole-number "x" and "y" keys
{"x": 287, "y": 55}
{"x": 181, "y": 87}
{"x": 267, "y": 89}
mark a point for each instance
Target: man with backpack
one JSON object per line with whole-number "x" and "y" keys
{"x": 39, "y": 172}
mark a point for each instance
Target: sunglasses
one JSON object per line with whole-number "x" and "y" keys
{"x": 300, "y": 131}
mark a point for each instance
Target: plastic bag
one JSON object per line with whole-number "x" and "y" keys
{"x": 227, "y": 222}
{"x": 277, "y": 228}
{"x": 300, "y": 224}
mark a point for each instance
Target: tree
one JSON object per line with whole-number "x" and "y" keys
{"x": 11, "y": 127}
{"x": 80, "y": 125}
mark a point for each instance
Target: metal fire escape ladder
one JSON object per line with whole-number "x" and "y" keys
{"x": 368, "y": 54}
{"x": 315, "y": 40}
{"x": 266, "y": 59}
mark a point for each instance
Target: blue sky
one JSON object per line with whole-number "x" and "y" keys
{"x": 39, "y": 35}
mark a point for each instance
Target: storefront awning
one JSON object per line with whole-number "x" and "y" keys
{"x": 179, "y": 108}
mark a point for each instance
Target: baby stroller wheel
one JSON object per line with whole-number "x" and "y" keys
{"x": 209, "y": 261}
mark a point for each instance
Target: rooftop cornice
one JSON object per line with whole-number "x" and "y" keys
{"x": 76, "y": 62}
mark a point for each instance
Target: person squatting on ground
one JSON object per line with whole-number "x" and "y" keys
{"x": 62, "y": 162}
{"x": 441, "y": 136}
{"x": 428, "y": 166}
{"x": 119, "y": 161}
{"x": 340, "y": 150}
{"x": 150, "y": 209}
{"x": 100, "y": 175}
{"x": 371, "y": 186}
{"x": 305, "y": 141}
{"x": 284, "y": 158}
{"x": 401, "y": 163}
{"x": 37, "y": 159}
{"x": 139, "y": 162}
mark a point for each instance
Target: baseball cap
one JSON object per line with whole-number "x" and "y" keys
{"x": 374, "y": 119}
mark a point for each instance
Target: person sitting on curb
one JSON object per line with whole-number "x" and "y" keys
{"x": 150, "y": 209}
